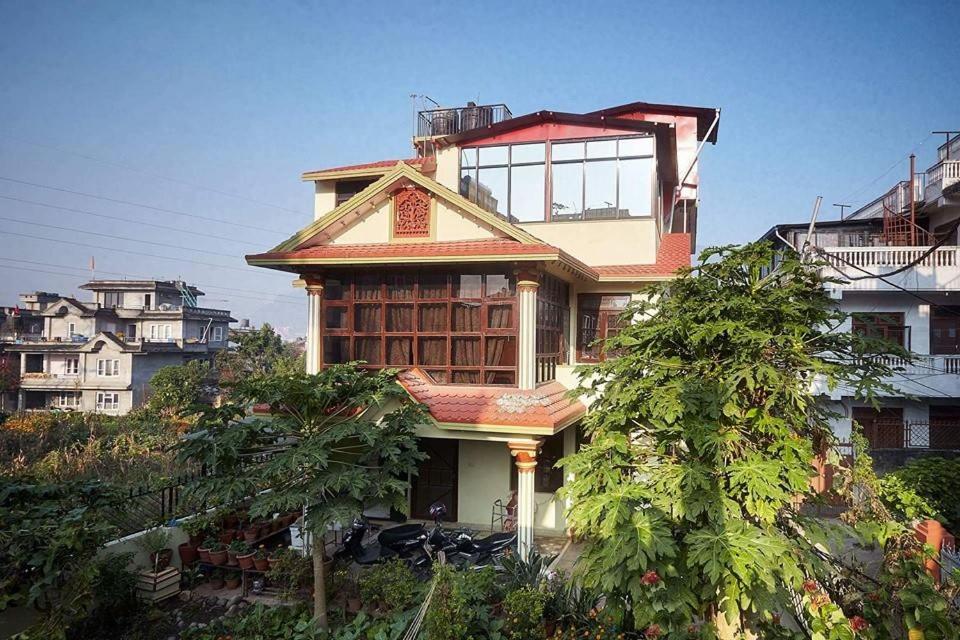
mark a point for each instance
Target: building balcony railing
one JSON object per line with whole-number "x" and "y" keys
{"x": 446, "y": 122}
{"x": 937, "y": 270}
{"x": 940, "y": 177}
{"x": 897, "y": 199}
{"x": 913, "y": 434}
{"x": 922, "y": 376}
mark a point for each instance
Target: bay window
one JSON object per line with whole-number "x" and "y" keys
{"x": 460, "y": 328}
{"x": 598, "y": 318}
{"x": 594, "y": 179}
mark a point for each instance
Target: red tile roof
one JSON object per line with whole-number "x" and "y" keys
{"x": 412, "y": 250}
{"x": 548, "y": 406}
{"x": 674, "y": 252}
{"x": 385, "y": 164}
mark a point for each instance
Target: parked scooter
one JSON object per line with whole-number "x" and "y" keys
{"x": 460, "y": 546}
{"x": 404, "y": 542}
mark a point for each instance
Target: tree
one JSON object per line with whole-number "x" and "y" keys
{"x": 178, "y": 387}
{"x": 9, "y": 376}
{"x": 257, "y": 352}
{"x": 702, "y": 434}
{"x": 338, "y": 442}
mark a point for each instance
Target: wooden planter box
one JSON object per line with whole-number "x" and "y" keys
{"x": 154, "y": 587}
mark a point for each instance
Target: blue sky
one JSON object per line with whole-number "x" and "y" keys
{"x": 178, "y": 104}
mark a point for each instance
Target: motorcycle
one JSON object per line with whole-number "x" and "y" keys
{"x": 404, "y": 541}
{"x": 460, "y": 547}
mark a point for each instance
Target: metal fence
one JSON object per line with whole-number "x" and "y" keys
{"x": 144, "y": 507}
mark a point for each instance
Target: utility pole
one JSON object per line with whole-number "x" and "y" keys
{"x": 949, "y": 135}
{"x": 842, "y": 207}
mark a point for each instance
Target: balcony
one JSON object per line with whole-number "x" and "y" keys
{"x": 50, "y": 380}
{"x": 897, "y": 199}
{"x": 942, "y": 179}
{"x": 447, "y": 122}
{"x": 925, "y": 376}
{"x": 913, "y": 434}
{"x": 939, "y": 271}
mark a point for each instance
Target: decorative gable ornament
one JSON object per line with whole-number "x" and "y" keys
{"x": 411, "y": 214}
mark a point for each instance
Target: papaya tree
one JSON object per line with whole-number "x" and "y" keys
{"x": 704, "y": 425}
{"x": 335, "y": 443}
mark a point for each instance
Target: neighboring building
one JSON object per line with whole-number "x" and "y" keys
{"x": 916, "y": 305}
{"x": 486, "y": 267}
{"x": 100, "y": 355}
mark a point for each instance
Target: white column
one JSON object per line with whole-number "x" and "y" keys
{"x": 527, "y": 286}
{"x": 525, "y": 455}
{"x": 314, "y": 357}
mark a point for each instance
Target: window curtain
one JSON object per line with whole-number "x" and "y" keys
{"x": 400, "y": 351}
{"x": 433, "y": 351}
{"x": 501, "y": 317}
{"x": 367, "y": 318}
{"x": 399, "y": 318}
{"x": 368, "y": 350}
{"x": 433, "y": 317}
{"x": 466, "y": 352}
{"x": 466, "y": 317}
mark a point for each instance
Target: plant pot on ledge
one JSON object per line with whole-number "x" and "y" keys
{"x": 245, "y": 561}
{"x": 232, "y": 581}
{"x": 188, "y": 553}
{"x": 161, "y": 560}
{"x": 218, "y": 557}
{"x": 204, "y": 554}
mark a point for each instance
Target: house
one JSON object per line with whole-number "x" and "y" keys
{"x": 486, "y": 267}
{"x": 100, "y": 355}
{"x": 900, "y": 260}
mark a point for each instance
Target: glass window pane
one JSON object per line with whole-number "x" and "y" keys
{"x": 500, "y": 286}
{"x": 527, "y": 153}
{"x": 399, "y": 318}
{"x": 526, "y": 192}
{"x": 367, "y": 287}
{"x": 433, "y": 351}
{"x": 493, "y": 155}
{"x": 499, "y": 377}
{"x": 500, "y": 316}
{"x": 336, "y": 289}
{"x": 399, "y": 287}
{"x": 501, "y": 351}
{"x": 601, "y": 194}
{"x": 636, "y": 187}
{"x": 566, "y": 151}
{"x": 465, "y": 352}
{"x": 466, "y": 317}
{"x": 468, "y": 184}
{"x": 492, "y": 190}
{"x": 433, "y": 285}
{"x": 336, "y": 349}
{"x": 433, "y": 317}
{"x": 438, "y": 376}
{"x": 636, "y": 147}
{"x": 466, "y": 377}
{"x": 602, "y": 149}
{"x": 366, "y": 318}
{"x": 368, "y": 350}
{"x": 467, "y": 285}
{"x": 336, "y": 318}
{"x": 400, "y": 351}
{"x": 468, "y": 157}
{"x": 567, "y": 191}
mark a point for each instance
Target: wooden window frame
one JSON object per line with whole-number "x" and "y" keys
{"x": 350, "y": 302}
{"x": 553, "y": 325}
{"x": 889, "y": 325}
{"x": 604, "y": 316}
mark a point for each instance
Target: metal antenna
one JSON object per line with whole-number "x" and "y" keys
{"x": 842, "y": 207}
{"x": 948, "y": 134}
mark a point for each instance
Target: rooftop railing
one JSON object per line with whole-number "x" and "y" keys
{"x": 449, "y": 121}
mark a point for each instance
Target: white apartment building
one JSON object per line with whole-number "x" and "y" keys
{"x": 100, "y": 355}
{"x": 912, "y": 244}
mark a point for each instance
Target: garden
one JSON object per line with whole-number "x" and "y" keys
{"x": 691, "y": 495}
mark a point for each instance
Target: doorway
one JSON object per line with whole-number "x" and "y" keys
{"x": 437, "y": 478}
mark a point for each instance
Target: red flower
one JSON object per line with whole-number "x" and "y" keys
{"x": 809, "y": 586}
{"x": 653, "y": 631}
{"x": 650, "y": 578}
{"x": 858, "y": 624}
{"x": 873, "y": 597}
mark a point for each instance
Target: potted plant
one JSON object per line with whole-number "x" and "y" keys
{"x": 232, "y": 579}
{"x": 251, "y": 534}
{"x": 204, "y": 549}
{"x": 218, "y": 553}
{"x": 197, "y": 528}
{"x": 156, "y": 542}
{"x": 260, "y": 561}
{"x": 216, "y": 579}
{"x": 235, "y": 548}
{"x": 276, "y": 557}
{"x": 245, "y": 559}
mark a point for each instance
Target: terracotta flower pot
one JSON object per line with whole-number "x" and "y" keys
{"x": 203, "y": 554}
{"x": 261, "y": 564}
{"x": 231, "y": 557}
{"x": 196, "y": 539}
{"x": 271, "y": 561}
{"x": 245, "y": 562}
{"x": 218, "y": 557}
{"x": 232, "y": 582}
{"x": 188, "y": 553}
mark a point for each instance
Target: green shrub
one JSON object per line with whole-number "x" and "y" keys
{"x": 390, "y": 586}
{"x": 936, "y": 482}
{"x": 260, "y": 622}
{"x": 446, "y": 616}
{"x": 523, "y": 614}
{"x": 902, "y": 501}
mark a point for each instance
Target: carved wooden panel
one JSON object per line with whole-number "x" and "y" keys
{"x": 411, "y": 214}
